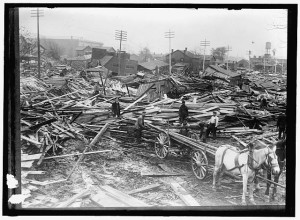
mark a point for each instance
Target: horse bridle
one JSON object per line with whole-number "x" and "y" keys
{"x": 270, "y": 159}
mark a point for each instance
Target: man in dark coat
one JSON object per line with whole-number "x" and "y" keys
{"x": 203, "y": 127}
{"x": 139, "y": 126}
{"x": 281, "y": 125}
{"x": 183, "y": 112}
{"x": 115, "y": 107}
{"x": 256, "y": 124}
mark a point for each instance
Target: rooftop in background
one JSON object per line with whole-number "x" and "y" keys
{"x": 153, "y": 64}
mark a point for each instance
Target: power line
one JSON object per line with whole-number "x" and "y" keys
{"x": 120, "y": 35}
{"x": 38, "y": 13}
{"x": 204, "y": 44}
{"x": 170, "y": 34}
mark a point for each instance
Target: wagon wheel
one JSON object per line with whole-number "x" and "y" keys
{"x": 162, "y": 145}
{"x": 199, "y": 164}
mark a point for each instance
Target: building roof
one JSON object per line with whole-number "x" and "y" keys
{"x": 109, "y": 49}
{"x": 105, "y": 60}
{"x": 84, "y": 57}
{"x": 153, "y": 64}
{"x": 218, "y": 69}
{"x": 82, "y": 47}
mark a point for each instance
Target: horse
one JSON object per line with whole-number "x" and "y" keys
{"x": 280, "y": 153}
{"x": 245, "y": 162}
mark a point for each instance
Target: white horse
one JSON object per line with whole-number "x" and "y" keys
{"x": 229, "y": 158}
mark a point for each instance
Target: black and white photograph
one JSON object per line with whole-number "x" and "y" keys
{"x": 140, "y": 108}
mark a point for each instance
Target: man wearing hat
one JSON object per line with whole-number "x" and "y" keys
{"x": 183, "y": 112}
{"x": 115, "y": 107}
{"x": 212, "y": 125}
{"x": 139, "y": 126}
{"x": 281, "y": 125}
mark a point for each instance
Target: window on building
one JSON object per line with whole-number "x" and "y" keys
{"x": 129, "y": 67}
{"x": 115, "y": 65}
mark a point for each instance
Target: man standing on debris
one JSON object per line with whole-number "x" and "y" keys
{"x": 213, "y": 124}
{"x": 139, "y": 126}
{"x": 256, "y": 124}
{"x": 263, "y": 103}
{"x": 281, "y": 126}
{"x": 183, "y": 112}
{"x": 115, "y": 107}
{"x": 97, "y": 88}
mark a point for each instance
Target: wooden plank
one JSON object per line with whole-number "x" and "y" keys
{"x": 74, "y": 198}
{"x": 129, "y": 200}
{"x": 132, "y": 104}
{"x": 143, "y": 189}
{"x": 30, "y": 140}
{"x": 104, "y": 200}
{"x": 27, "y": 164}
{"x": 68, "y": 155}
{"x": 26, "y": 157}
{"x": 54, "y": 98}
{"x": 155, "y": 174}
{"x": 94, "y": 141}
{"x": 183, "y": 194}
{"x": 240, "y": 141}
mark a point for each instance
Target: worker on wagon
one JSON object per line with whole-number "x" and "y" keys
{"x": 115, "y": 107}
{"x": 213, "y": 124}
{"x": 139, "y": 126}
{"x": 281, "y": 126}
{"x": 203, "y": 128}
{"x": 183, "y": 112}
{"x": 184, "y": 129}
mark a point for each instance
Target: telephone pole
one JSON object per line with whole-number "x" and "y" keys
{"x": 170, "y": 34}
{"x": 38, "y": 13}
{"x": 274, "y": 53}
{"x": 120, "y": 35}
{"x": 249, "y": 53}
{"x": 205, "y": 44}
{"x": 227, "y": 50}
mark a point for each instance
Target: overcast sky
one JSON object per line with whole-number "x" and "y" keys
{"x": 146, "y": 27}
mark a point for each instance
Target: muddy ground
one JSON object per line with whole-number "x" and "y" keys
{"x": 121, "y": 169}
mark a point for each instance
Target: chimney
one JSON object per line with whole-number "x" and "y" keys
{"x": 185, "y": 50}
{"x": 172, "y": 50}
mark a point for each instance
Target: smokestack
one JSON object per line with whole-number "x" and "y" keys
{"x": 185, "y": 50}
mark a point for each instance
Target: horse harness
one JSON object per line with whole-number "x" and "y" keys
{"x": 249, "y": 161}
{"x": 236, "y": 161}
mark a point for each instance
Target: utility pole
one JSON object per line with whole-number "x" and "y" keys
{"x": 249, "y": 53}
{"x": 204, "y": 43}
{"x": 274, "y": 52}
{"x": 38, "y": 13}
{"x": 170, "y": 34}
{"x": 227, "y": 50}
{"x": 120, "y": 35}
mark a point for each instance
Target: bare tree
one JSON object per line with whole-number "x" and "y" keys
{"x": 145, "y": 54}
{"x": 219, "y": 52}
{"x": 52, "y": 50}
{"x": 26, "y": 42}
